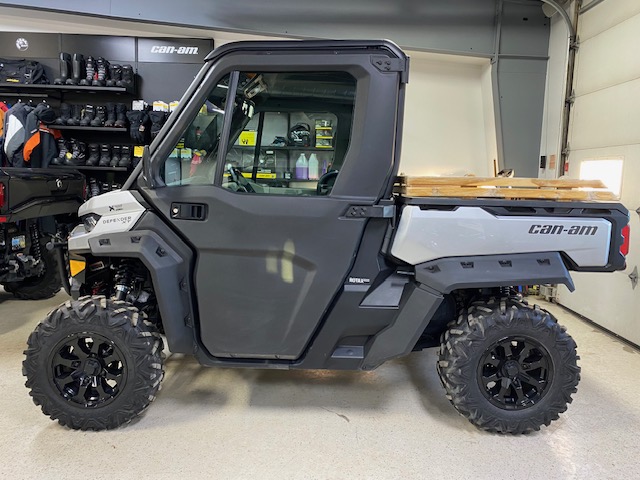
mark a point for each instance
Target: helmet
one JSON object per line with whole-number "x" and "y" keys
{"x": 300, "y": 135}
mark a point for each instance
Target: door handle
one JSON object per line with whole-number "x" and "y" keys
{"x": 188, "y": 211}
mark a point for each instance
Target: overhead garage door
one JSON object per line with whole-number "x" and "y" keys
{"x": 605, "y": 131}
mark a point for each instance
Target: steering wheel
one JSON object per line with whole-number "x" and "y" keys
{"x": 326, "y": 182}
{"x": 238, "y": 178}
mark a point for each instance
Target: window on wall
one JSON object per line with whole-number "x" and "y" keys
{"x": 608, "y": 170}
{"x": 296, "y": 141}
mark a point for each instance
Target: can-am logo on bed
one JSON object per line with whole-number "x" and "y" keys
{"x": 174, "y": 49}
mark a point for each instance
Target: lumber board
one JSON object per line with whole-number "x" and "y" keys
{"x": 500, "y": 182}
{"x": 512, "y": 193}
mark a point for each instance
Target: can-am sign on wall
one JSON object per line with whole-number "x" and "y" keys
{"x": 173, "y": 50}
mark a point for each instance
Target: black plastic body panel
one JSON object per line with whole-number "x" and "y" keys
{"x": 169, "y": 262}
{"x": 418, "y": 306}
{"x": 349, "y": 323}
{"x": 615, "y": 213}
{"x": 267, "y": 269}
{"x": 38, "y": 192}
{"x": 487, "y": 271}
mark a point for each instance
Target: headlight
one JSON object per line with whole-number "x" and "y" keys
{"x": 90, "y": 221}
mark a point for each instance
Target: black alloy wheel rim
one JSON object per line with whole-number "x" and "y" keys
{"x": 88, "y": 370}
{"x": 515, "y": 373}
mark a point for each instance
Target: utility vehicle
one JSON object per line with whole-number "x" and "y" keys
{"x": 37, "y": 207}
{"x": 252, "y": 265}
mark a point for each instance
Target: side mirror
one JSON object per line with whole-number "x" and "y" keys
{"x": 146, "y": 167}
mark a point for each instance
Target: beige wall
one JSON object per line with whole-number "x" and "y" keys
{"x": 449, "y": 122}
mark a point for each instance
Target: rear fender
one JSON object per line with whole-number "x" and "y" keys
{"x": 448, "y": 274}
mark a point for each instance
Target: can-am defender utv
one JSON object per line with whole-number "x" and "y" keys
{"x": 245, "y": 262}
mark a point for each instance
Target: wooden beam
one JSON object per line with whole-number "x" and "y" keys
{"x": 500, "y": 182}
{"x": 513, "y": 193}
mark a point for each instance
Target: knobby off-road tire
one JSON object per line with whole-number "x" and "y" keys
{"x": 38, "y": 288}
{"x": 508, "y": 367}
{"x": 93, "y": 364}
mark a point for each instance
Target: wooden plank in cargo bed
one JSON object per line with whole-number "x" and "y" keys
{"x": 563, "y": 189}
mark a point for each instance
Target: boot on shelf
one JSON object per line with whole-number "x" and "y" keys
{"x": 105, "y": 155}
{"x": 76, "y": 115}
{"x": 66, "y": 70}
{"x": 101, "y": 116}
{"x": 88, "y": 114}
{"x": 90, "y": 70}
{"x": 63, "y": 148}
{"x": 126, "y": 80}
{"x": 78, "y": 68}
{"x": 115, "y": 155}
{"x": 121, "y": 115}
{"x": 111, "y": 115}
{"x": 65, "y": 114}
{"x": 125, "y": 156}
{"x": 115, "y": 75}
{"x": 78, "y": 154}
{"x": 94, "y": 188}
{"x": 94, "y": 155}
{"x": 102, "y": 73}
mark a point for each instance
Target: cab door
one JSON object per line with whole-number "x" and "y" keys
{"x": 273, "y": 252}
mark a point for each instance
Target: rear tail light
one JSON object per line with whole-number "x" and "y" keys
{"x": 626, "y": 234}
{"x": 1, "y": 195}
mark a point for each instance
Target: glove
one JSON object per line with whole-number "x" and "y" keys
{"x": 157, "y": 121}
{"x": 138, "y": 125}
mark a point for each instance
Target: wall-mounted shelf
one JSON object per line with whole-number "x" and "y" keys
{"x": 285, "y": 147}
{"x": 48, "y": 88}
{"x": 89, "y": 128}
{"x": 91, "y": 167}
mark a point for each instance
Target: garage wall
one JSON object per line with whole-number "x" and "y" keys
{"x": 449, "y": 120}
{"x": 606, "y": 124}
{"x": 20, "y": 20}
{"x": 513, "y": 33}
{"x": 449, "y": 126}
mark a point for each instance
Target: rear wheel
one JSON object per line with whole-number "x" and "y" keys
{"x": 93, "y": 364}
{"x": 508, "y": 367}
{"x": 46, "y": 285}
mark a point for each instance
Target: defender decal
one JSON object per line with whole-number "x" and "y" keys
{"x": 560, "y": 229}
{"x": 122, "y": 220}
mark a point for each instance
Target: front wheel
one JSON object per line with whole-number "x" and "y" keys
{"x": 508, "y": 367}
{"x": 93, "y": 364}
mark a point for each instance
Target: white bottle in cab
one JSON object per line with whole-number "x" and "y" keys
{"x": 314, "y": 167}
{"x": 302, "y": 167}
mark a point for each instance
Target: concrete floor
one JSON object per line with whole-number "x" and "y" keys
{"x": 391, "y": 423}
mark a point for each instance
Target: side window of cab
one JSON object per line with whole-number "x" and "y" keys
{"x": 193, "y": 159}
{"x": 297, "y": 136}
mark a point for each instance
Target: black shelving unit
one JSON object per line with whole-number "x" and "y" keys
{"x": 80, "y": 94}
{"x": 282, "y": 178}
